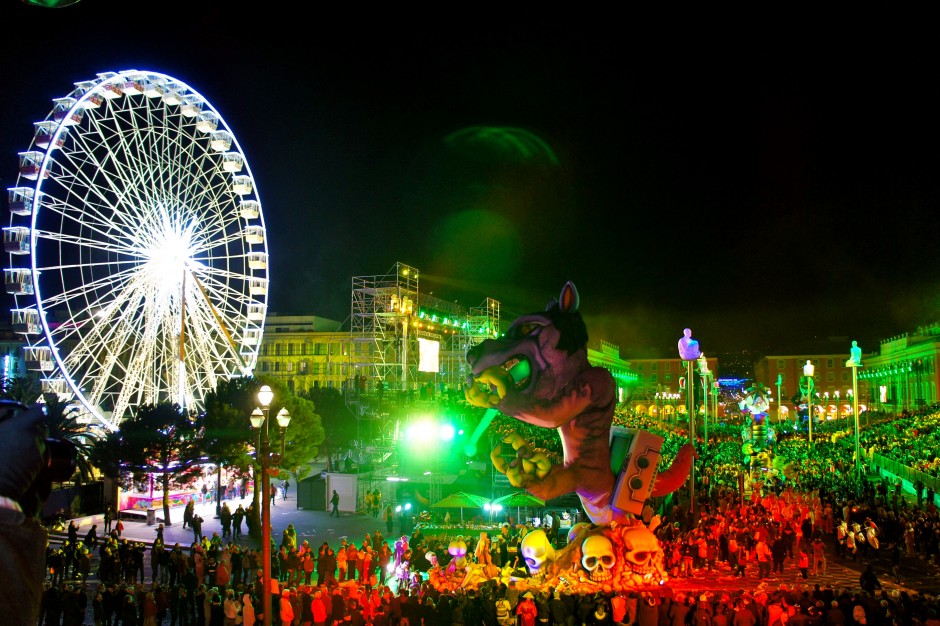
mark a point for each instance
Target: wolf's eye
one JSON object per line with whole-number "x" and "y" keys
{"x": 524, "y": 330}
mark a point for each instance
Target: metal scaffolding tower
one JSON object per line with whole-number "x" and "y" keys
{"x": 383, "y": 309}
{"x": 389, "y": 315}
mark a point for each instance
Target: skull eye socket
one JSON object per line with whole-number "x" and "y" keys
{"x": 641, "y": 557}
{"x": 590, "y": 562}
{"x": 607, "y": 561}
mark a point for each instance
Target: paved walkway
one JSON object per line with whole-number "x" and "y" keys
{"x": 311, "y": 525}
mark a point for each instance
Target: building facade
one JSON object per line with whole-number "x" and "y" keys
{"x": 903, "y": 375}
{"x": 833, "y": 383}
{"x": 660, "y": 385}
{"x": 306, "y": 351}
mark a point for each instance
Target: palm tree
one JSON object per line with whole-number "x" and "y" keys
{"x": 63, "y": 423}
{"x": 20, "y": 388}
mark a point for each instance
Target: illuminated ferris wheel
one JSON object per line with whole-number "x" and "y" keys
{"x": 137, "y": 249}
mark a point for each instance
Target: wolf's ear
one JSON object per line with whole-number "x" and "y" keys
{"x": 569, "y": 301}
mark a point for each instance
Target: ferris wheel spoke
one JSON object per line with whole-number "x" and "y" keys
{"x": 217, "y": 269}
{"x": 222, "y": 296}
{"x": 113, "y": 283}
{"x": 86, "y": 243}
{"x": 88, "y": 215}
{"x": 220, "y": 231}
{"x": 213, "y": 323}
{"x": 93, "y": 175}
{"x": 103, "y": 333}
{"x": 103, "y": 368}
{"x": 207, "y": 350}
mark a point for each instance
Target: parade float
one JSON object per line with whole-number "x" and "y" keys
{"x": 538, "y": 373}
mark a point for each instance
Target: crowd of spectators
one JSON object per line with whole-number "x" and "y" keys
{"x": 798, "y": 508}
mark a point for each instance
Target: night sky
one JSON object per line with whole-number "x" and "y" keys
{"x": 765, "y": 185}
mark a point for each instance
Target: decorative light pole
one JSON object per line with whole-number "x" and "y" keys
{"x": 715, "y": 391}
{"x": 855, "y": 362}
{"x": 779, "y": 382}
{"x": 689, "y": 352}
{"x": 808, "y": 386}
{"x": 705, "y": 373}
{"x": 267, "y": 460}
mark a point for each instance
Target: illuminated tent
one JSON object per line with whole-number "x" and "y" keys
{"x": 461, "y": 500}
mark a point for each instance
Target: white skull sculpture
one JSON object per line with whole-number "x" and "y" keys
{"x": 598, "y": 558}
{"x": 536, "y": 549}
{"x": 641, "y": 549}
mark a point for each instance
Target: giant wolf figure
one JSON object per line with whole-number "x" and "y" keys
{"x": 560, "y": 389}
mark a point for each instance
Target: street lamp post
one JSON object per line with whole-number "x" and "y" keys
{"x": 259, "y": 421}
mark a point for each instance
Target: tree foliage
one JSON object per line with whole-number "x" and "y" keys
{"x": 158, "y": 439}
{"x": 338, "y": 423}
{"x": 225, "y": 430}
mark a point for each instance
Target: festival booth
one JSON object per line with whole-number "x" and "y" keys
{"x": 154, "y": 500}
{"x": 445, "y": 525}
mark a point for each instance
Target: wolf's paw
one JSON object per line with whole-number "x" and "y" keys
{"x": 530, "y": 466}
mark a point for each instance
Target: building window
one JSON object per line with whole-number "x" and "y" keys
{"x": 303, "y": 367}
{"x": 781, "y": 364}
{"x": 290, "y": 349}
{"x": 845, "y": 379}
{"x": 277, "y": 349}
{"x": 667, "y": 366}
{"x": 290, "y": 366}
{"x": 830, "y": 377}
{"x": 654, "y": 367}
{"x": 653, "y": 379}
{"x": 277, "y": 366}
{"x": 667, "y": 378}
{"x": 828, "y": 362}
{"x": 264, "y": 366}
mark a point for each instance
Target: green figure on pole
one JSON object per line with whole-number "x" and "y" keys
{"x": 855, "y": 356}
{"x": 855, "y": 362}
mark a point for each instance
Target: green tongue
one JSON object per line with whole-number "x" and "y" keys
{"x": 520, "y": 371}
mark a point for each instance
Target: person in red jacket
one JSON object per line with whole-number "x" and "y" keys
{"x": 319, "y": 610}
{"x": 526, "y": 610}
